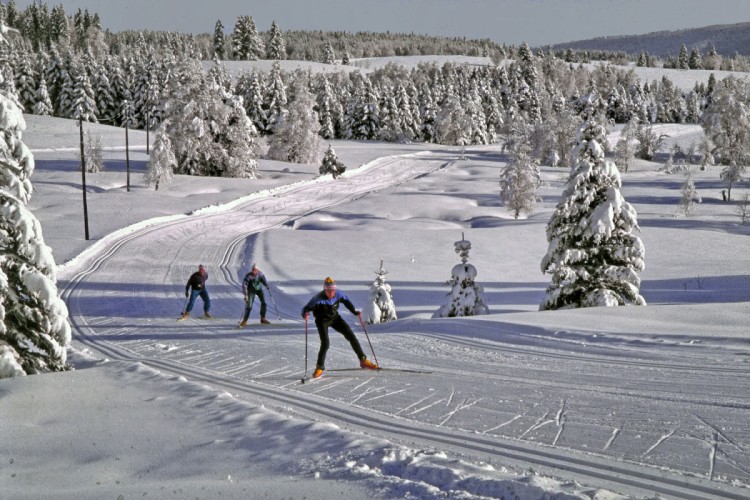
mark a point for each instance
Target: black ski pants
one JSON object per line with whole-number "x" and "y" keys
{"x": 341, "y": 326}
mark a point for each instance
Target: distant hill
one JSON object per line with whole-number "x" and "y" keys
{"x": 728, "y": 39}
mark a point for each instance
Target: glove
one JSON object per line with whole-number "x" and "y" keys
{"x": 187, "y": 294}
{"x": 358, "y": 313}
{"x": 306, "y": 315}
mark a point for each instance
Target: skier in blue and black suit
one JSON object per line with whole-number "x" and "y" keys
{"x": 325, "y": 308}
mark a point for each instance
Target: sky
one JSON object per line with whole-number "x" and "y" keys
{"x": 536, "y": 22}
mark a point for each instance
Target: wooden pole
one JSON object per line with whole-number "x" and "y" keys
{"x": 83, "y": 181}
{"x": 127, "y": 156}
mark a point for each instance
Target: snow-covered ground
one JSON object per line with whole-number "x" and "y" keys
{"x": 596, "y": 403}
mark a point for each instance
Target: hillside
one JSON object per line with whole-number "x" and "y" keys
{"x": 727, "y": 39}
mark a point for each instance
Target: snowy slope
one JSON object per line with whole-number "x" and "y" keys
{"x": 629, "y": 401}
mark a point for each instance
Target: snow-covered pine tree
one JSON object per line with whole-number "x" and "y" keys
{"x": 366, "y": 118}
{"x": 390, "y": 120}
{"x": 209, "y": 130}
{"x": 276, "y": 47}
{"x": 25, "y": 78}
{"x": 34, "y": 328}
{"x": 593, "y": 256}
{"x": 689, "y": 195}
{"x": 243, "y": 144}
{"x": 732, "y": 174}
{"x": 473, "y": 106}
{"x": 329, "y": 56}
{"x": 295, "y": 138}
{"x": 43, "y": 104}
{"x": 162, "y": 161}
{"x": 218, "y": 40}
{"x": 239, "y": 47}
{"x": 380, "y": 307}
{"x": 452, "y": 123}
{"x": 428, "y": 111}
{"x": 331, "y": 164}
{"x": 275, "y": 101}
{"x": 627, "y": 144}
{"x": 120, "y": 87}
{"x": 255, "y": 45}
{"x": 93, "y": 154}
{"x": 251, "y": 88}
{"x": 246, "y": 43}
{"x": 520, "y": 180}
{"x": 466, "y": 296}
{"x": 106, "y": 105}
{"x": 325, "y": 109}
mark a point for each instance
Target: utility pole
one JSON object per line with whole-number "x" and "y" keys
{"x": 126, "y": 112}
{"x": 147, "y": 127}
{"x": 83, "y": 177}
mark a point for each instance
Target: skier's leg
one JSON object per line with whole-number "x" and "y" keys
{"x": 206, "y": 300}
{"x": 248, "y": 307}
{"x": 191, "y": 302}
{"x": 344, "y": 329}
{"x": 262, "y": 303}
{"x": 324, "y": 343}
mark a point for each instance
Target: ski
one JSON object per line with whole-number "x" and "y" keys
{"x": 381, "y": 369}
{"x": 308, "y": 379}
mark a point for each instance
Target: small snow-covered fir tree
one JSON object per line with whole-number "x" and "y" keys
{"x": 162, "y": 161}
{"x": 380, "y": 307}
{"x": 731, "y": 175}
{"x": 593, "y": 256}
{"x": 689, "y": 195}
{"x": 93, "y": 154}
{"x": 627, "y": 144}
{"x": 466, "y": 296}
{"x": 34, "y": 328}
{"x": 331, "y": 164}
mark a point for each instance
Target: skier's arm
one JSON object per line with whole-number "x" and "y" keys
{"x": 309, "y": 306}
{"x": 348, "y": 304}
{"x": 244, "y": 285}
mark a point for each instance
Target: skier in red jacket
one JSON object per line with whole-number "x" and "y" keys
{"x": 196, "y": 286}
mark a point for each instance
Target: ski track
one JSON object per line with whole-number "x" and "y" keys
{"x": 123, "y": 324}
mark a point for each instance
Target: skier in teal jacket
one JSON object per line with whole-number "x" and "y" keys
{"x": 252, "y": 285}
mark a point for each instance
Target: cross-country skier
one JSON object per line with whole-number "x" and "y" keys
{"x": 196, "y": 286}
{"x": 252, "y": 285}
{"x": 324, "y": 306}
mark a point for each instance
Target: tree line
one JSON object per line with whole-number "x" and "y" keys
{"x": 156, "y": 79}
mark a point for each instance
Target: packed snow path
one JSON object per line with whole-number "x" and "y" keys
{"x": 510, "y": 409}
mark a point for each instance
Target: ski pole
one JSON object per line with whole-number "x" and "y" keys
{"x": 305, "y": 345}
{"x": 185, "y": 305}
{"x": 368, "y": 339}
{"x": 242, "y": 318}
{"x": 274, "y": 304}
